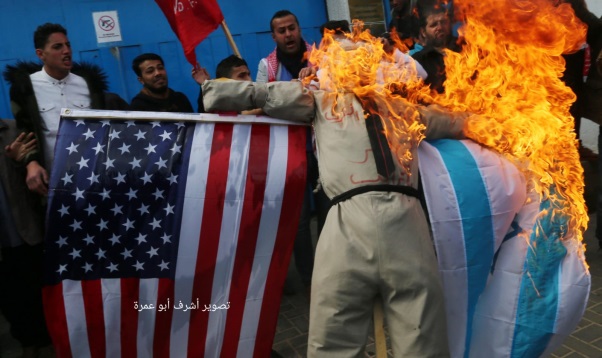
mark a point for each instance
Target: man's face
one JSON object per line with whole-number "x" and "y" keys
{"x": 153, "y": 76}
{"x": 240, "y": 73}
{"x": 56, "y": 55}
{"x": 287, "y": 34}
{"x": 437, "y": 30}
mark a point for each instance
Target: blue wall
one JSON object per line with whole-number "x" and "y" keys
{"x": 145, "y": 29}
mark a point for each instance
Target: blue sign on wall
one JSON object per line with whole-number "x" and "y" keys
{"x": 145, "y": 29}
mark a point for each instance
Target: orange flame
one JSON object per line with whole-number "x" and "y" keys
{"x": 359, "y": 64}
{"x": 507, "y": 73}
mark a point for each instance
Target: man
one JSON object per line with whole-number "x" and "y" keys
{"x": 21, "y": 235}
{"x": 39, "y": 92}
{"x": 232, "y": 67}
{"x": 155, "y": 95}
{"x": 286, "y": 61}
{"x": 375, "y": 243}
{"x": 435, "y": 34}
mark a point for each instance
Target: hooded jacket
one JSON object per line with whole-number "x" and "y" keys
{"x": 25, "y": 106}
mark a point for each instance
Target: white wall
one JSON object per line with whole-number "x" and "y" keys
{"x": 339, "y": 9}
{"x": 595, "y": 6}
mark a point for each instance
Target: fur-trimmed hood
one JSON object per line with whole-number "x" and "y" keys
{"x": 24, "y": 103}
{"x": 93, "y": 74}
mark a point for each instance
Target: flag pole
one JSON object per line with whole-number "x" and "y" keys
{"x": 380, "y": 341}
{"x": 230, "y": 38}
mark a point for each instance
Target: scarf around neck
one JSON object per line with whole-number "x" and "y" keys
{"x": 292, "y": 63}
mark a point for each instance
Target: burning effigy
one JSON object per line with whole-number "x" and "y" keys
{"x": 505, "y": 201}
{"x": 520, "y": 283}
{"x": 508, "y": 71}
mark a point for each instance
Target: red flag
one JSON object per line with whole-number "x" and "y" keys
{"x": 192, "y": 21}
{"x": 175, "y": 242}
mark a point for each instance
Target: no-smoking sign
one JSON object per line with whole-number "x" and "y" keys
{"x": 106, "y": 24}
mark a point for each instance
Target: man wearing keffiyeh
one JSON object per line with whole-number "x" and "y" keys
{"x": 284, "y": 64}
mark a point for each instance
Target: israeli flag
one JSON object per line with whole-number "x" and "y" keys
{"x": 512, "y": 287}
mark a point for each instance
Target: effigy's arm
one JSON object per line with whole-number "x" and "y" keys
{"x": 286, "y": 100}
{"x": 442, "y": 123}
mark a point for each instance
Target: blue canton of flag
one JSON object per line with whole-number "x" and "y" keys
{"x": 118, "y": 187}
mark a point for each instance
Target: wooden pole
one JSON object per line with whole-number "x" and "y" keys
{"x": 380, "y": 342}
{"x": 230, "y": 38}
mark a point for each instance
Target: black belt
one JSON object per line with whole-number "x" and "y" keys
{"x": 407, "y": 190}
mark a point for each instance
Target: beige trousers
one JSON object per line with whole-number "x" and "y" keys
{"x": 376, "y": 245}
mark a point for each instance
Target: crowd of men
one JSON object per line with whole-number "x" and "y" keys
{"x": 40, "y": 90}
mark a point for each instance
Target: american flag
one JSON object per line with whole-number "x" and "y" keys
{"x": 170, "y": 239}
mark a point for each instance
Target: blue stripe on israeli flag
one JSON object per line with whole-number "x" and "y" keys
{"x": 539, "y": 295}
{"x": 448, "y": 234}
{"x": 573, "y": 286}
{"x": 475, "y": 212}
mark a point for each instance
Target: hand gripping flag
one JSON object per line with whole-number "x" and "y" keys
{"x": 512, "y": 287}
{"x": 192, "y": 21}
{"x": 168, "y": 239}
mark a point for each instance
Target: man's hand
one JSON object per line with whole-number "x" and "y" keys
{"x": 200, "y": 74}
{"x": 20, "y": 147}
{"x": 37, "y": 178}
{"x": 306, "y": 72}
{"x": 256, "y": 111}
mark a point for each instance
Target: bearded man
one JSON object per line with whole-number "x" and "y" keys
{"x": 435, "y": 37}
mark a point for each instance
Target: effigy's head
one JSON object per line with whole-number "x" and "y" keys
{"x": 358, "y": 62}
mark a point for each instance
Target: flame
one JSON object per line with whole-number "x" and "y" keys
{"x": 358, "y": 63}
{"x": 507, "y": 74}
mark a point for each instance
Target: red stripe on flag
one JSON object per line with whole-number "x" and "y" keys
{"x": 294, "y": 191}
{"x": 95, "y": 321}
{"x": 217, "y": 179}
{"x": 247, "y": 236}
{"x": 56, "y": 319}
{"x": 130, "y": 290}
{"x": 163, "y": 318}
